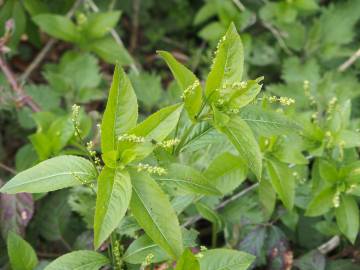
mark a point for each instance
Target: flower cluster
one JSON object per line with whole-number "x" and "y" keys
{"x": 168, "y": 143}
{"x": 148, "y": 260}
{"x": 150, "y": 169}
{"x": 351, "y": 188}
{"x": 90, "y": 148}
{"x": 235, "y": 85}
{"x": 331, "y": 107}
{"x": 190, "y": 89}
{"x": 82, "y": 181}
{"x": 285, "y": 101}
{"x": 117, "y": 255}
{"x": 81, "y": 19}
{"x": 307, "y": 93}
{"x": 75, "y": 115}
{"x": 131, "y": 138}
{"x": 336, "y": 199}
{"x": 92, "y": 152}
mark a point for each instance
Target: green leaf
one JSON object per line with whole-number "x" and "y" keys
{"x": 241, "y": 136}
{"x": 121, "y": 111}
{"x": 267, "y": 123}
{"x": 239, "y": 95}
{"x": 112, "y": 201}
{"x": 155, "y": 128}
{"x": 148, "y": 89}
{"x": 154, "y": 213}
{"x": 110, "y": 51}
{"x": 57, "y": 26}
{"x": 210, "y": 215}
{"x": 98, "y": 24}
{"x": 227, "y": 172}
{"x": 185, "y": 79}
{"x": 225, "y": 259}
{"x": 313, "y": 260}
{"x": 212, "y": 31}
{"x": 187, "y": 261}
{"x": 351, "y": 138}
{"x": 55, "y": 227}
{"x": 52, "y": 174}
{"x": 328, "y": 171}
{"x": 282, "y": 181}
{"x": 205, "y": 12}
{"x": 321, "y": 203}
{"x": 347, "y": 217}
{"x": 140, "y": 248}
{"x": 79, "y": 260}
{"x": 228, "y": 64}
{"x": 188, "y": 179}
{"x": 160, "y": 124}
{"x": 267, "y": 197}
{"x": 22, "y": 256}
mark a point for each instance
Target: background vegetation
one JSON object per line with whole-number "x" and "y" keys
{"x": 302, "y": 215}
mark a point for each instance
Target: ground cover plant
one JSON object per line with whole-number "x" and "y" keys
{"x": 227, "y": 139}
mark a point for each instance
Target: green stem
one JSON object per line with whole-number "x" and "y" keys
{"x": 184, "y": 137}
{"x": 112, "y": 244}
{"x": 214, "y": 236}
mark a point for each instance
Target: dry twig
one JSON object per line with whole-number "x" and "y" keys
{"x": 352, "y": 59}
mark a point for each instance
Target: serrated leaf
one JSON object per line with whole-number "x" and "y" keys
{"x": 282, "y": 181}
{"x": 228, "y": 63}
{"x": 225, "y": 259}
{"x": 154, "y": 213}
{"x": 121, "y": 111}
{"x": 54, "y": 227}
{"x": 57, "y": 26}
{"x": 188, "y": 179}
{"x": 52, "y": 174}
{"x": 347, "y": 217}
{"x": 79, "y": 260}
{"x": 254, "y": 243}
{"x": 185, "y": 79}
{"x": 112, "y": 201}
{"x": 267, "y": 197}
{"x": 241, "y": 136}
{"x": 22, "y": 256}
{"x": 313, "y": 260}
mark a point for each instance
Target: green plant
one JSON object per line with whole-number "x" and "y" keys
{"x": 271, "y": 173}
{"x": 125, "y": 182}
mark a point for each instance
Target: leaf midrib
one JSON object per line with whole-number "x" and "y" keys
{"x": 139, "y": 250}
{"x": 187, "y": 182}
{"x": 48, "y": 176}
{"x": 154, "y": 221}
{"x": 254, "y": 166}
